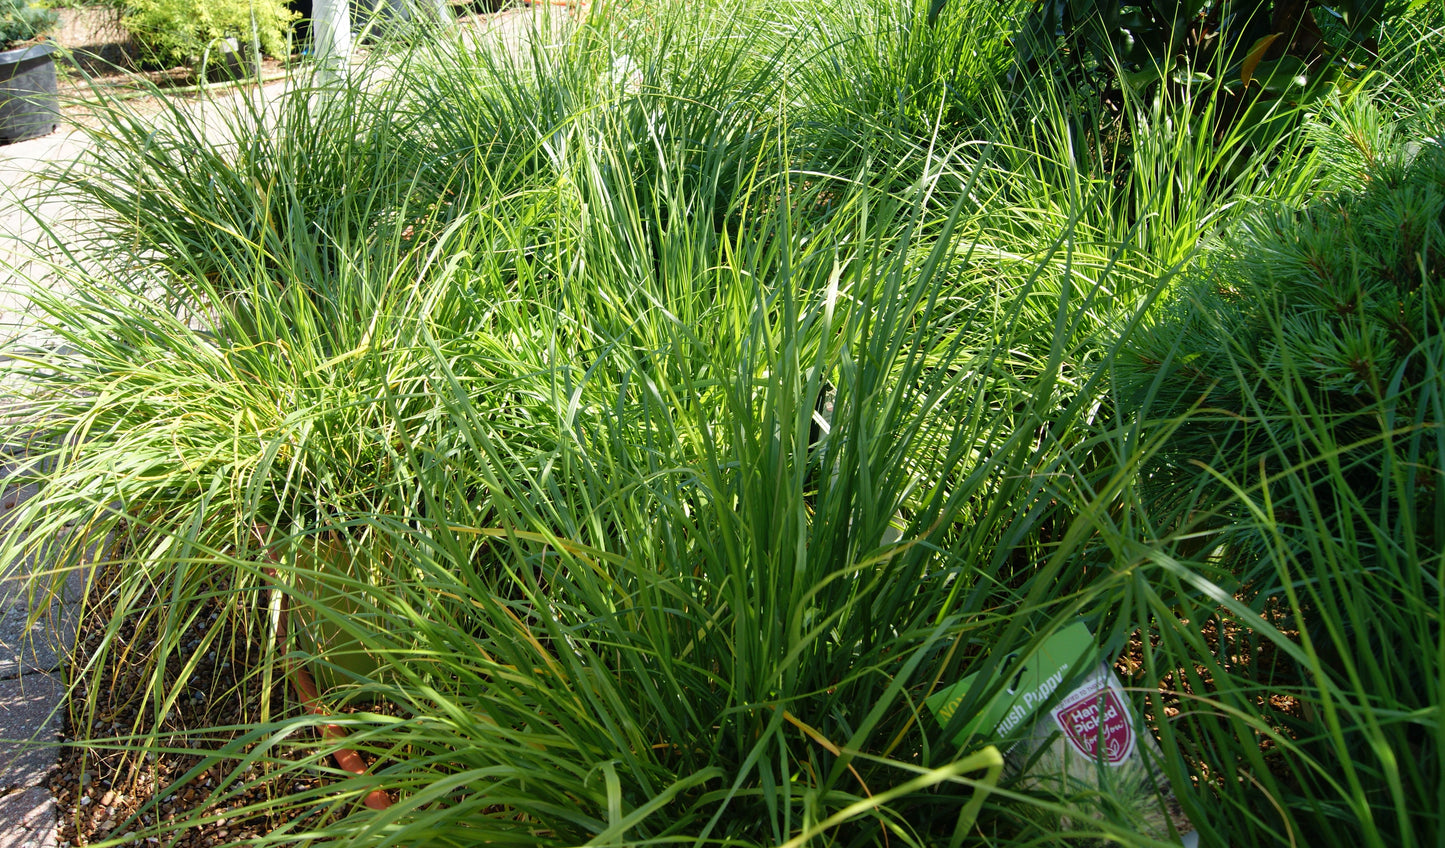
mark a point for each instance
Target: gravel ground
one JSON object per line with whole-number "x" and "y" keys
{"x": 101, "y": 787}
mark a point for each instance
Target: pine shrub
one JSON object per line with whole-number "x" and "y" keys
{"x": 21, "y": 22}
{"x": 1313, "y": 346}
{"x": 1298, "y": 380}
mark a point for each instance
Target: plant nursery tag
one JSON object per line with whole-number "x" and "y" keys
{"x": 1083, "y": 741}
{"x": 1034, "y": 680}
{"x": 1096, "y": 721}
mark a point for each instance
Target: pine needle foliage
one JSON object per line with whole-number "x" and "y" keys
{"x": 19, "y": 21}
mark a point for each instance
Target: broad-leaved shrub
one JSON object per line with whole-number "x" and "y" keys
{"x": 177, "y": 32}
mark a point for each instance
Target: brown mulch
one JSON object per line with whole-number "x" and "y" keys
{"x": 1239, "y": 651}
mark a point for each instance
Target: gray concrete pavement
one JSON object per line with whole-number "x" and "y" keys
{"x": 27, "y": 819}
{"x": 24, "y": 221}
{"x": 32, "y": 687}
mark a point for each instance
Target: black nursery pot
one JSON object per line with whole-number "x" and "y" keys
{"x": 28, "y": 104}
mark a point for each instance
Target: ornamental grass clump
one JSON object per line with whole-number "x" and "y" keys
{"x": 265, "y": 198}
{"x": 631, "y": 461}
{"x": 882, "y": 82}
{"x": 561, "y": 476}
{"x": 243, "y": 366}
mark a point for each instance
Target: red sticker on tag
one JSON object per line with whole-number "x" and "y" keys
{"x": 1098, "y": 719}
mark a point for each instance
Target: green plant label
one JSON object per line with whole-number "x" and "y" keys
{"x": 1069, "y": 730}
{"x": 1035, "y": 679}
